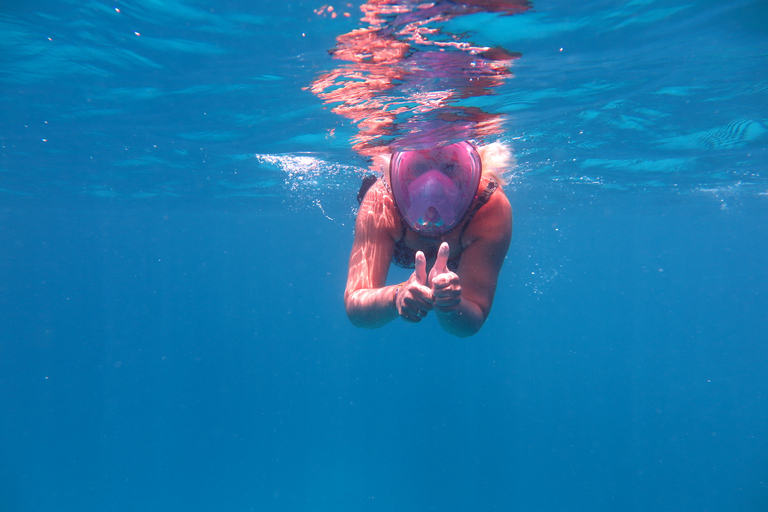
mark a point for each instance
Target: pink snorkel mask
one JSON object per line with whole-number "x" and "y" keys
{"x": 434, "y": 188}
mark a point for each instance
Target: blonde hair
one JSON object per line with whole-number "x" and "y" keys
{"x": 496, "y": 157}
{"x": 497, "y": 161}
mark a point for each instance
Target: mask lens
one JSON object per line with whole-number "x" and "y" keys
{"x": 434, "y": 188}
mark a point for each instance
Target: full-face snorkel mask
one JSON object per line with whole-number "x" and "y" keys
{"x": 434, "y": 188}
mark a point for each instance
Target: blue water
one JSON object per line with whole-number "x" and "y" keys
{"x": 176, "y": 212}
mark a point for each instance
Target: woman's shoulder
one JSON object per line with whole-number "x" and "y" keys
{"x": 498, "y": 200}
{"x": 379, "y": 206}
{"x": 494, "y": 199}
{"x": 381, "y": 187}
{"x": 493, "y": 218}
{"x": 378, "y": 195}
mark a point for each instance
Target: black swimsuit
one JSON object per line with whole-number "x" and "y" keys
{"x": 404, "y": 256}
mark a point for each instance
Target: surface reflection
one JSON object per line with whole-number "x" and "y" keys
{"x": 405, "y": 76}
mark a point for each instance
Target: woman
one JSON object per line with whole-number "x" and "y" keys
{"x": 442, "y": 212}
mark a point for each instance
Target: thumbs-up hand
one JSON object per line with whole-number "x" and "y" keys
{"x": 446, "y": 288}
{"x": 414, "y": 299}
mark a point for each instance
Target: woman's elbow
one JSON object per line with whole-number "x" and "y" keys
{"x": 357, "y": 315}
{"x": 364, "y": 321}
{"x": 356, "y": 319}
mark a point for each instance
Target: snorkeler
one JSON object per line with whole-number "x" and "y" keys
{"x": 442, "y": 212}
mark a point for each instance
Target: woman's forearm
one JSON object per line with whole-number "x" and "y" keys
{"x": 371, "y": 308}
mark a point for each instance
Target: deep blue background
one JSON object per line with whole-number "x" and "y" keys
{"x": 164, "y": 358}
{"x": 176, "y": 213}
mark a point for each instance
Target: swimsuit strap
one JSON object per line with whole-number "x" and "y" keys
{"x": 367, "y": 183}
{"x": 481, "y": 200}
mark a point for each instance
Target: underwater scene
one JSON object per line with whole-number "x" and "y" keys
{"x": 179, "y": 187}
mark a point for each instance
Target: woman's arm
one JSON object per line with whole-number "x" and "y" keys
{"x": 367, "y": 301}
{"x": 487, "y": 238}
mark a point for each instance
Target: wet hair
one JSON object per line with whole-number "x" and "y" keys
{"x": 497, "y": 160}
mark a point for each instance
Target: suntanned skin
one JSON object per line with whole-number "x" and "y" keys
{"x": 461, "y": 300}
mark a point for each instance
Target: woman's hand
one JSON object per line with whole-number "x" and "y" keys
{"x": 414, "y": 298}
{"x": 445, "y": 285}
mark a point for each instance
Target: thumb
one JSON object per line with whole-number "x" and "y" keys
{"x": 441, "y": 262}
{"x": 421, "y": 268}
